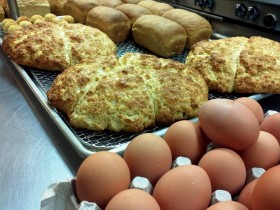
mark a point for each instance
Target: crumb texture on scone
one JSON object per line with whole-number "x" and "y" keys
{"x": 129, "y": 94}
{"x": 238, "y": 64}
{"x": 51, "y": 46}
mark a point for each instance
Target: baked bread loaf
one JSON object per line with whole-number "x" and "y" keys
{"x": 110, "y": 3}
{"x": 127, "y": 94}
{"x": 157, "y": 8}
{"x": 30, "y": 7}
{"x": 51, "y": 46}
{"x": 197, "y": 27}
{"x": 111, "y": 21}
{"x": 160, "y": 35}
{"x": 80, "y": 8}
{"x": 238, "y": 64}
{"x": 133, "y": 11}
{"x": 2, "y": 13}
{"x": 57, "y": 6}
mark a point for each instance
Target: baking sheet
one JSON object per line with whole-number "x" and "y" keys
{"x": 86, "y": 142}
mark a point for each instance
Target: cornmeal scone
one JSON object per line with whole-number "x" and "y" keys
{"x": 259, "y": 67}
{"x": 127, "y": 94}
{"x": 51, "y": 46}
{"x": 238, "y": 64}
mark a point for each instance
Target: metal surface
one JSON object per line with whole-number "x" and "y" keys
{"x": 13, "y": 7}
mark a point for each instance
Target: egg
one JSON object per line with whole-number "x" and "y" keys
{"x": 228, "y": 205}
{"x": 245, "y": 196}
{"x": 186, "y": 138}
{"x": 225, "y": 168}
{"x": 271, "y": 124}
{"x": 132, "y": 199}
{"x": 148, "y": 155}
{"x": 254, "y": 106}
{"x": 101, "y": 176}
{"x": 183, "y": 187}
{"x": 229, "y": 123}
{"x": 267, "y": 190}
{"x": 265, "y": 153}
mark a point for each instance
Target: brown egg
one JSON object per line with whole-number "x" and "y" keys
{"x": 101, "y": 176}
{"x": 148, "y": 155}
{"x": 271, "y": 124}
{"x": 254, "y": 106}
{"x": 267, "y": 190}
{"x": 183, "y": 187}
{"x": 245, "y": 196}
{"x": 186, "y": 138}
{"x": 229, "y": 123}
{"x": 225, "y": 169}
{"x": 265, "y": 153}
{"x": 228, "y": 205}
{"x": 133, "y": 199}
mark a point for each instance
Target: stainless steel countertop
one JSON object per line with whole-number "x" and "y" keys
{"x": 33, "y": 153}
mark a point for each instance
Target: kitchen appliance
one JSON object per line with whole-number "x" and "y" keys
{"x": 237, "y": 17}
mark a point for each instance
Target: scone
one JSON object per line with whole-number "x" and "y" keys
{"x": 51, "y": 46}
{"x": 127, "y": 94}
{"x": 238, "y": 64}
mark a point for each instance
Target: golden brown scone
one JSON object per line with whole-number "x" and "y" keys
{"x": 127, "y": 94}
{"x": 197, "y": 27}
{"x": 157, "y": 8}
{"x": 111, "y": 21}
{"x": 238, "y": 64}
{"x": 50, "y": 46}
{"x": 79, "y": 9}
{"x": 259, "y": 67}
{"x": 133, "y": 11}
{"x": 30, "y": 7}
{"x": 57, "y": 6}
{"x": 217, "y": 61}
{"x": 110, "y": 3}
{"x": 160, "y": 35}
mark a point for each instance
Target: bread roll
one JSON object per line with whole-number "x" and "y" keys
{"x": 157, "y": 8}
{"x": 197, "y": 27}
{"x": 57, "y": 6}
{"x": 133, "y": 11}
{"x": 110, "y": 3}
{"x": 111, "y": 21}
{"x": 161, "y": 36}
{"x": 30, "y": 7}
{"x": 80, "y": 8}
{"x": 2, "y": 13}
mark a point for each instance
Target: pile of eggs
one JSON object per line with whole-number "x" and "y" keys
{"x": 230, "y": 138}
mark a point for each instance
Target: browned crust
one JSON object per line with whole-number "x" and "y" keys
{"x": 50, "y": 46}
{"x": 130, "y": 94}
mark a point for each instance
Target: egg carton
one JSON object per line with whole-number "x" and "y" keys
{"x": 62, "y": 196}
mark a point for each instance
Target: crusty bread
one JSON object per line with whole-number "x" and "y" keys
{"x": 30, "y": 7}
{"x": 79, "y": 9}
{"x": 2, "y": 13}
{"x": 51, "y": 46}
{"x": 110, "y": 3}
{"x": 128, "y": 94}
{"x": 133, "y": 11}
{"x": 157, "y": 8}
{"x": 160, "y": 35}
{"x": 111, "y": 21}
{"x": 197, "y": 27}
{"x": 238, "y": 64}
{"x": 57, "y": 6}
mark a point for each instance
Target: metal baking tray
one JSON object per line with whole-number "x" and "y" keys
{"x": 86, "y": 142}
